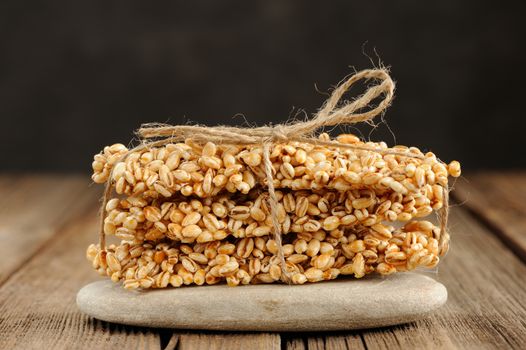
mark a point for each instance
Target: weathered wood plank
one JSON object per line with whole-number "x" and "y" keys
{"x": 32, "y": 209}
{"x": 336, "y": 341}
{"x": 37, "y": 303}
{"x": 351, "y": 341}
{"x": 294, "y": 343}
{"x": 486, "y": 307}
{"x": 499, "y": 199}
{"x": 212, "y": 341}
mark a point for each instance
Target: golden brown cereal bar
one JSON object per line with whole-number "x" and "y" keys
{"x": 310, "y": 257}
{"x": 204, "y": 220}
{"x": 205, "y": 171}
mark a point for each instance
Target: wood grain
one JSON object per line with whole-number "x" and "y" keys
{"x": 319, "y": 341}
{"x": 37, "y": 303}
{"x": 241, "y": 341}
{"x": 498, "y": 199}
{"x": 485, "y": 281}
{"x": 32, "y": 210}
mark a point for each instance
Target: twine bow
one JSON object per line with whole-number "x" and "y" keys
{"x": 331, "y": 114}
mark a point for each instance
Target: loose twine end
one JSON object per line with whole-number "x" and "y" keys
{"x": 333, "y": 112}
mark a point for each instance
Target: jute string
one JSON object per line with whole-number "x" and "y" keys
{"x": 333, "y": 112}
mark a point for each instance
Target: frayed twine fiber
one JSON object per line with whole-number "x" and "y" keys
{"x": 329, "y": 115}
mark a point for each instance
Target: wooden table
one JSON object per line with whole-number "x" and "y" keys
{"x": 46, "y": 222}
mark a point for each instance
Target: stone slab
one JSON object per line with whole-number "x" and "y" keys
{"x": 343, "y": 304}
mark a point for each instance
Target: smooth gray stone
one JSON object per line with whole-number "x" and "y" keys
{"x": 373, "y": 301}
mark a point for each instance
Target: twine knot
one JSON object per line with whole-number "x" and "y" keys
{"x": 278, "y": 134}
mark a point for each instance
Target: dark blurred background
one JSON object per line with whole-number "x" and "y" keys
{"x": 78, "y": 75}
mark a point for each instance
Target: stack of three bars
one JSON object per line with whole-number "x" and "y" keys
{"x": 199, "y": 214}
